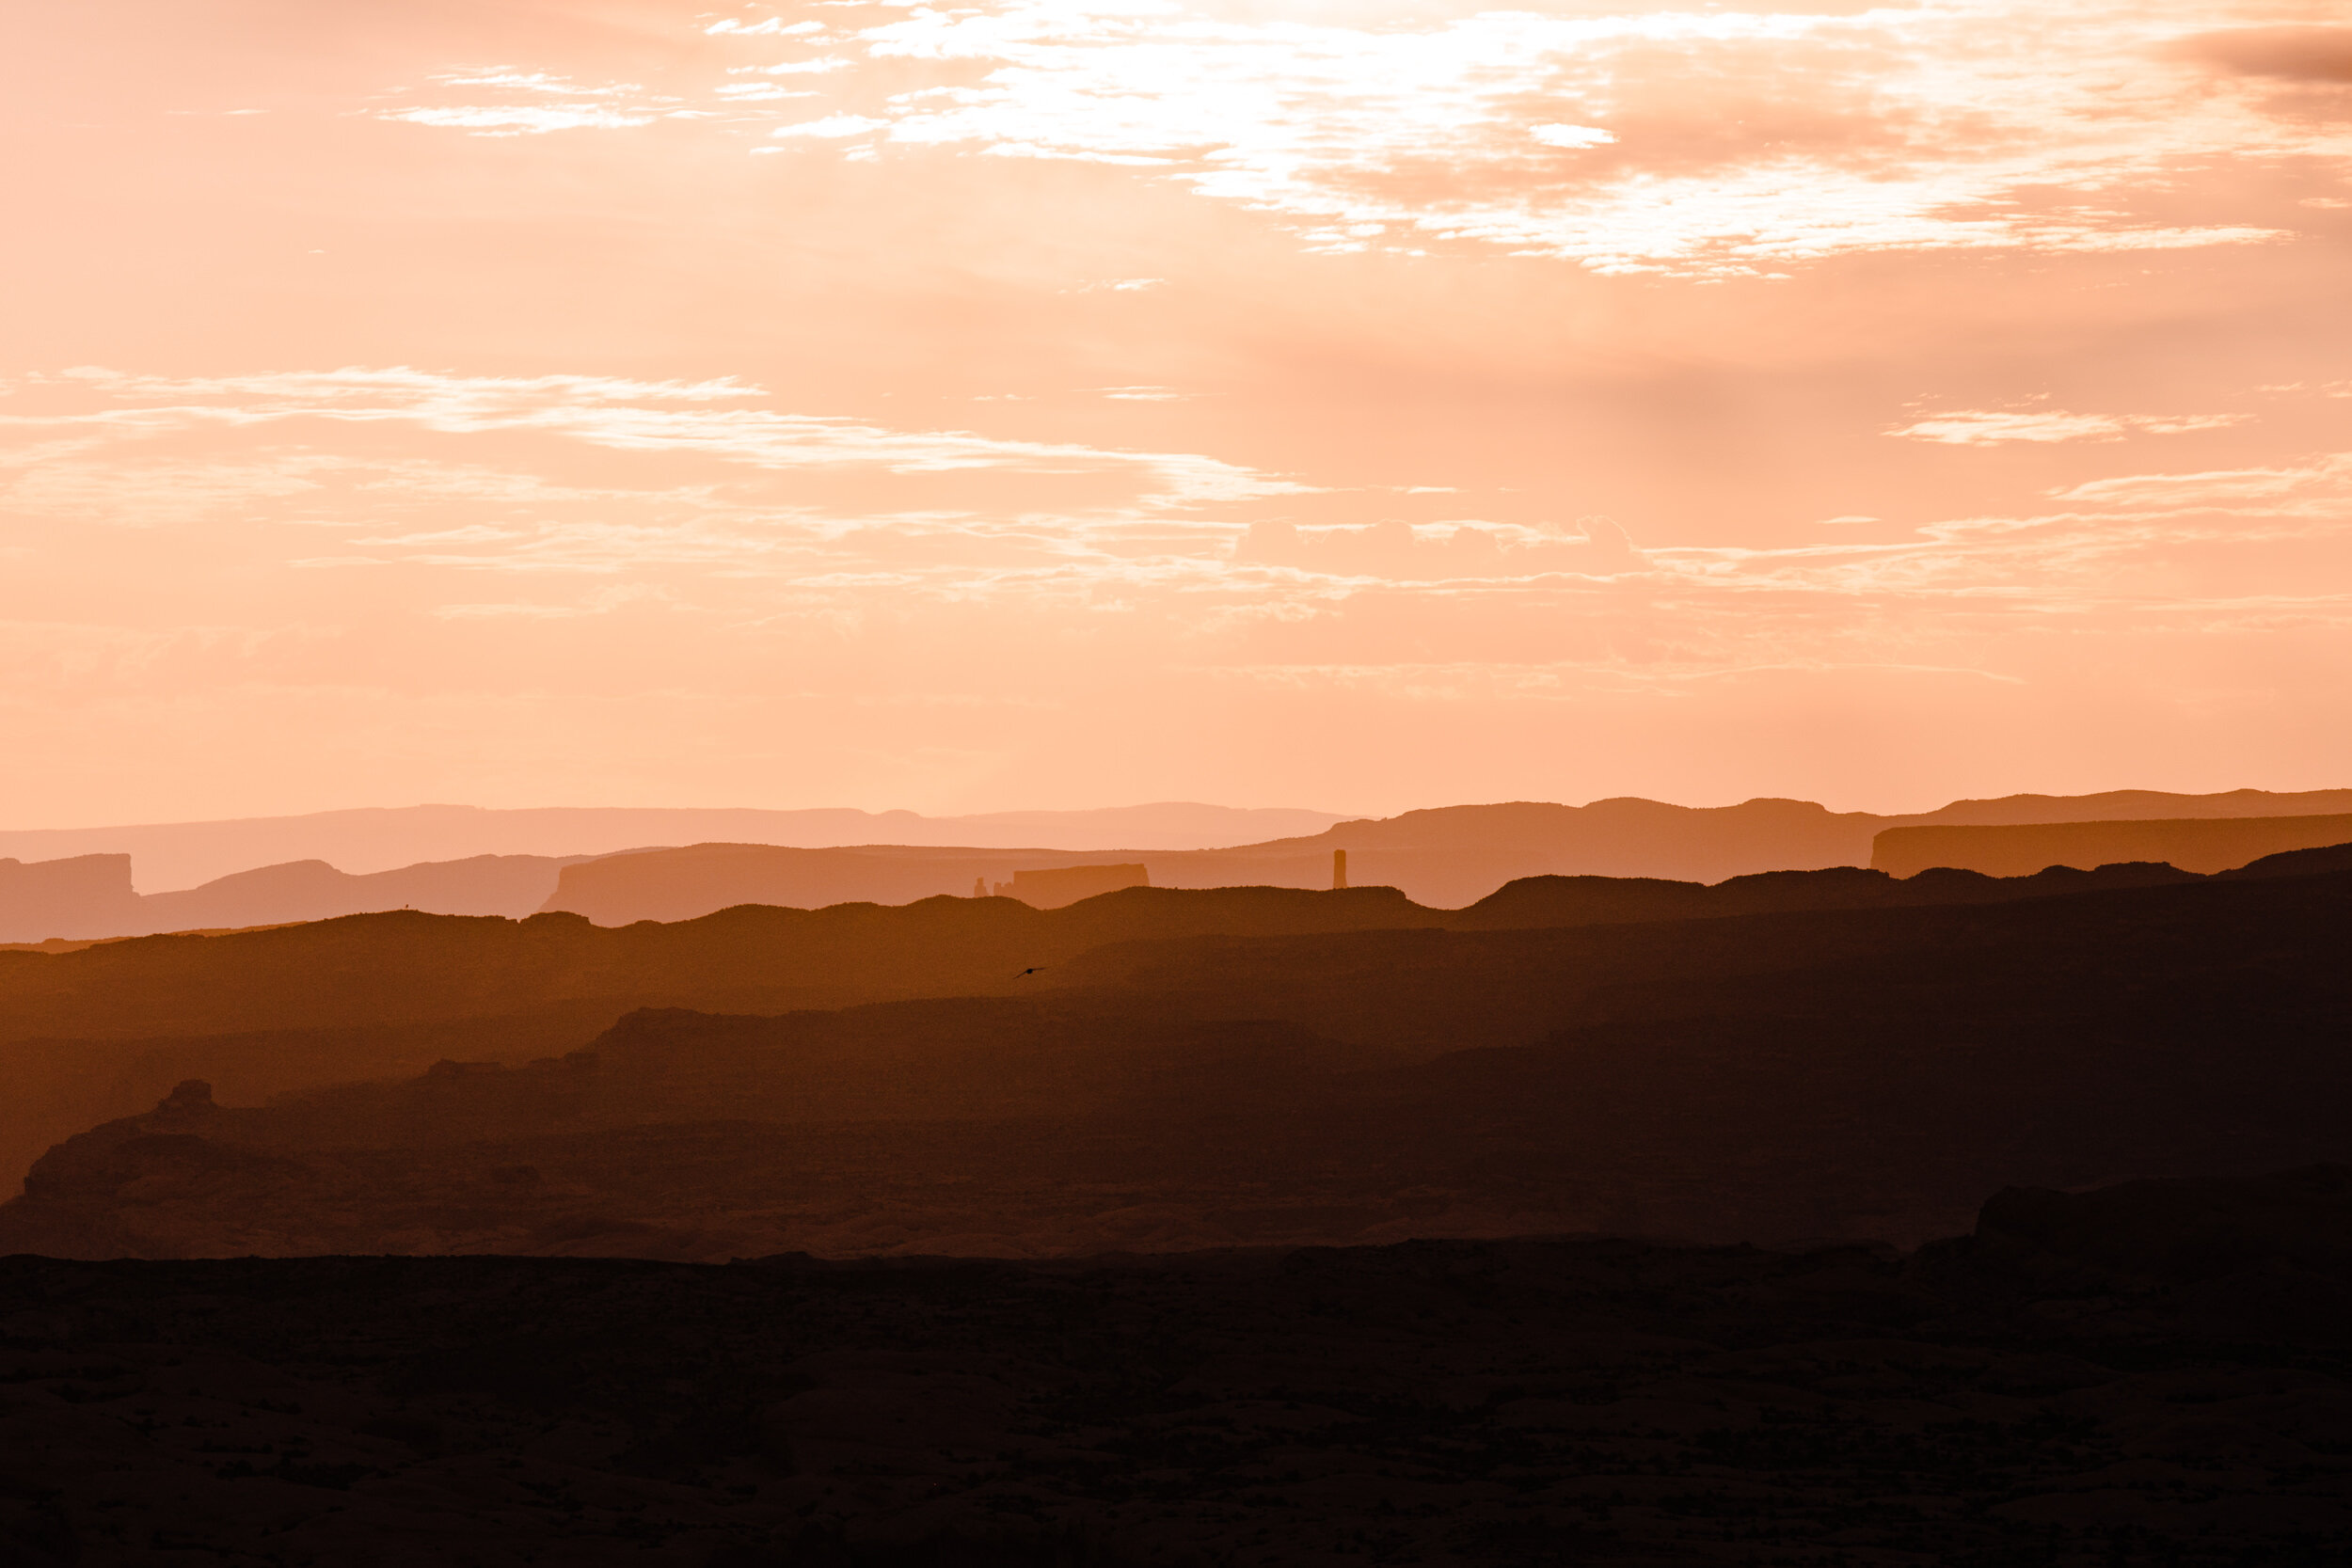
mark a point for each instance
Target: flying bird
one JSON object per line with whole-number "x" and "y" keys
{"x": 1026, "y": 973}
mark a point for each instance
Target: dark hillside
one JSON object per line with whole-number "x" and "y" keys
{"x": 402, "y": 967}
{"x": 1855, "y": 1073}
{"x": 101, "y": 1032}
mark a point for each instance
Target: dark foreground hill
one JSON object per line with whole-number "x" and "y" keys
{"x": 2152, "y": 1375}
{"x": 104, "y": 1030}
{"x": 1859, "y": 1072}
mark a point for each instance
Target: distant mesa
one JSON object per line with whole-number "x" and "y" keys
{"x": 1445, "y": 858}
{"x": 90, "y": 896}
{"x": 2132, "y": 806}
{"x": 78, "y": 896}
{"x": 1453, "y": 856}
{"x": 2202, "y": 845}
{"x": 183, "y": 854}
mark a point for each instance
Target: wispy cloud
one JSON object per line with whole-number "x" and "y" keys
{"x": 537, "y": 82}
{"x": 702, "y": 418}
{"x": 831, "y": 127}
{"x": 817, "y": 67}
{"x": 2322, "y": 486}
{"x": 766, "y": 26}
{"x": 1456, "y": 552}
{"x": 537, "y": 103}
{"x": 526, "y": 120}
{"x": 1986, "y": 427}
{"x": 483, "y": 478}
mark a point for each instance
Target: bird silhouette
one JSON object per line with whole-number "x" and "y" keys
{"x": 1026, "y": 973}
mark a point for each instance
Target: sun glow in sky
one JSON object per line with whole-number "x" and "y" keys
{"x": 1057, "y": 402}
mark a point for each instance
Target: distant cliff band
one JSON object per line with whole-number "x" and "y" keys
{"x": 1446, "y": 858}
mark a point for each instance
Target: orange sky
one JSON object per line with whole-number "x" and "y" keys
{"x": 1062, "y": 403}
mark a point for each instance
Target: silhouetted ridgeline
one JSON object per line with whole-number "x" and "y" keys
{"x": 1453, "y": 856}
{"x": 102, "y": 1031}
{"x": 2134, "y": 805}
{"x": 2032, "y": 1393}
{"x": 1439, "y": 858}
{"x": 1444, "y": 858}
{"x": 683, "y": 884}
{"x": 1865, "y": 1071}
{"x": 2192, "y": 844}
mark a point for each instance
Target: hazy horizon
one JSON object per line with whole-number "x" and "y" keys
{"x": 1925, "y": 802}
{"x": 878, "y": 812}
